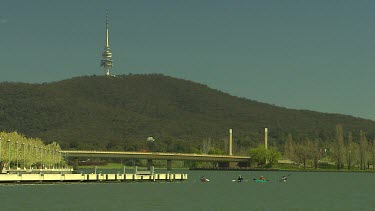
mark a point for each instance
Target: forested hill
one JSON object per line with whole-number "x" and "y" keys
{"x": 100, "y": 112}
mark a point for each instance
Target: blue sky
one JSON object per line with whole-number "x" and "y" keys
{"x": 315, "y": 55}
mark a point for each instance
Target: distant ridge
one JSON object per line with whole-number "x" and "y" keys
{"x": 121, "y": 112}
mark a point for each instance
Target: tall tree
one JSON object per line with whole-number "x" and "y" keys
{"x": 273, "y": 155}
{"x": 362, "y": 150}
{"x": 373, "y": 153}
{"x": 349, "y": 149}
{"x": 314, "y": 152}
{"x": 206, "y": 146}
{"x": 339, "y": 147}
{"x": 259, "y": 155}
{"x": 289, "y": 147}
{"x": 355, "y": 155}
{"x": 302, "y": 153}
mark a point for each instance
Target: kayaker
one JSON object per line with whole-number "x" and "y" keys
{"x": 239, "y": 178}
{"x": 284, "y": 178}
{"x": 262, "y": 178}
{"x": 203, "y": 178}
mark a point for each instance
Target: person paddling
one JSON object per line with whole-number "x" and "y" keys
{"x": 262, "y": 178}
{"x": 240, "y": 179}
{"x": 284, "y": 178}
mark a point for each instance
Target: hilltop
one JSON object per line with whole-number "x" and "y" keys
{"x": 119, "y": 113}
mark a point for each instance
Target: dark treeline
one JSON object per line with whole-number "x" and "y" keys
{"x": 119, "y": 113}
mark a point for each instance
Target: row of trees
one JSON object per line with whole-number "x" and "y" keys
{"x": 340, "y": 151}
{"x": 343, "y": 152}
{"x": 17, "y": 151}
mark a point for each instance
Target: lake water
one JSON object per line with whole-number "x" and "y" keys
{"x": 302, "y": 191}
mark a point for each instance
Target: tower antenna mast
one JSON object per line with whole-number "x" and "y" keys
{"x": 107, "y": 61}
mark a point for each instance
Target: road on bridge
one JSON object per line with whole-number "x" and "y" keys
{"x": 156, "y": 156}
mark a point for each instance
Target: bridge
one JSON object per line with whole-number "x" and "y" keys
{"x": 157, "y": 156}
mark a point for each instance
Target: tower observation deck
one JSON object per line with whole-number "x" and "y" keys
{"x": 107, "y": 61}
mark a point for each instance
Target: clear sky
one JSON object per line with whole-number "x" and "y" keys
{"x": 315, "y": 55}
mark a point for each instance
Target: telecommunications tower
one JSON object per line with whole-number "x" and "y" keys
{"x": 106, "y": 62}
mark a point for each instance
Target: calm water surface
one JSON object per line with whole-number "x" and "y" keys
{"x": 302, "y": 191}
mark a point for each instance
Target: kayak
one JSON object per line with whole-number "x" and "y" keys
{"x": 258, "y": 180}
{"x": 204, "y": 180}
{"x": 236, "y": 180}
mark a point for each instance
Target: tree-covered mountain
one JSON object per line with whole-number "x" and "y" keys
{"x": 119, "y": 113}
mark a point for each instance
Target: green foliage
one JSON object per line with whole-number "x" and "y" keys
{"x": 263, "y": 156}
{"x": 258, "y": 155}
{"x": 17, "y": 150}
{"x": 216, "y": 151}
{"x": 273, "y": 156}
{"x": 119, "y": 113}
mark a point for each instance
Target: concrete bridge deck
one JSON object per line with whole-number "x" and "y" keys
{"x": 157, "y": 156}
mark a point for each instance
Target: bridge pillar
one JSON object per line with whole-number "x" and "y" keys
{"x": 233, "y": 164}
{"x": 1, "y": 166}
{"x": 244, "y": 164}
{"x": 75, "y": 164}
{"x": 223, "y": 164}
{"x": 169, "y": 164}
{"x": 149, "y": 164}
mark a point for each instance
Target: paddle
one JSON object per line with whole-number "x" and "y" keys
{"x": 234, "y": 180}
